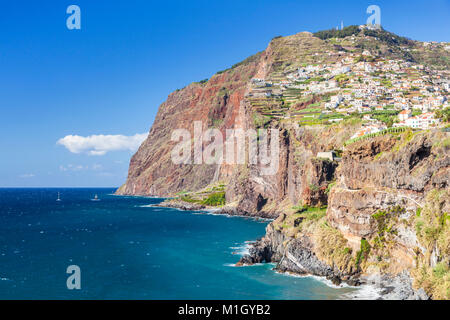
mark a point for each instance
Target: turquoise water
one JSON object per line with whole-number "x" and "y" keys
{"x": 128, "y": 250}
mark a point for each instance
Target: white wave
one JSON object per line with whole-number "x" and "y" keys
{"x": 323, "y": 280}
{"x": 233, "y": 265}
{"x": 330, "y": 284}
{"x": 149, "y": 206}
{"x": 210, "y": 212}
{"x": 242, "y": 250}
{"x": 213, "y": 212}
{"x": 364, "y": 292}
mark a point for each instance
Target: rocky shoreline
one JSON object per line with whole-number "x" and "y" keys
{"x": 298, "y": 259}
{"x": 225, "y": 210}
{"x": 342, "y": 207}
{"x": 181, "y": 205}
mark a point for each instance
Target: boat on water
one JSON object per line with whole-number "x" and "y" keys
{"x": 95, "y": 198}
{"x": 59, "y": 197}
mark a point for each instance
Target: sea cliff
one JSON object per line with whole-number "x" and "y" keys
{"x": 375, "y": 210}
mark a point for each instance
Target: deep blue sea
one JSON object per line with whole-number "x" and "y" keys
{"x": 127, "y": 249}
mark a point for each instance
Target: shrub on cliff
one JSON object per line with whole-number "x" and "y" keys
{"x": 444, "y": 114}
{"x": 363, "y": 253}
{"x": 215, "y": 199}
{"x": 333, "y": 248}
{"x": 433, "y": 231}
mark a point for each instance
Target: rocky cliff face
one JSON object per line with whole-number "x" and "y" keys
{"x": 380, "y": 209}
{"x": 222, "y": 102}
{"x": 381, "y": 173}
{"x": 387, "y": 215}
{"x": 215, "y": 103}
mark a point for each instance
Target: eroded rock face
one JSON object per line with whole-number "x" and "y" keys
{"x": 222, "y": 103}
{"x": 217, "y": 105}
{"x": 317, "y": 174}
{"x": 384, "y": 173}
{"x": 294, "y": 255}
{"x": 367, "y": 185}
{"x": 302, "y": 178}
{"x": 410, "y": 168}
{"x": 381, "y": 174}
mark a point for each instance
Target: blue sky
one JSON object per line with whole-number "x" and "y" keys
{"x": 110, "y": 77}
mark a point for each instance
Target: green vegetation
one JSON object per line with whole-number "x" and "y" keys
{"x": 341, "y": 78}
{"x": 304, "y": 218}
{"x": 388, "y": 117}
{"x": 418, "y": 212}
{"x": 312, "y": 109}
{"x": 404, "y": 139}
{"x": 435, "y": 281}
{"x": 332, "y": 33}
{"x": 213, "y": 195}
{"x": 329, "y": 187}
{"x": 203, "y": 81}
{"x": 373, "y": 135}
{"x": 444, "y": 114}
{"x": 433, "y": 232}
{"x": 362, "y": 58}
{"x": 386, "y": 83}
{"x": 363, "y": 253}
{"x": 250, "y": 59}
{"x": 261, "y": 121}
{"x": 215, "y": 199}
{"x": 446, "y": 143}
{"x": 189, "y": 199}
{"x": 332, "y": 247}
{"x": 388, "y": 37}
{"x": 310, "y": 213}
{"x": 382, "y": 35}
{"x": 386, "y": 220}
{"x": 315, "y": 79}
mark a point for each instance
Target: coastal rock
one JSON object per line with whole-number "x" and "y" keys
{"x": 294, "y": 256}
{"x": 181, "y": 205}
{"x": 399, "y": 170}
{"x": 395, "y": 287}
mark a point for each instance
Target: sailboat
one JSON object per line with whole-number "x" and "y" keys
{"x": 59, "y": 197}
{"x": 95, "y": 198}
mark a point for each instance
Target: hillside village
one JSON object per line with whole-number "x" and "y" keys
{"x": 342, "y": 209}
{"x": 381, "y": 92}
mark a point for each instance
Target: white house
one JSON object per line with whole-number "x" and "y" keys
{"x": 404, "y": 115}
{"x": 423, "y": 121}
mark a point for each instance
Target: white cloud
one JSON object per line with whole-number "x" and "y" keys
{"x": 27, "y": 175}
{"x": 72, "y": 167}
{"x": 99, "y": 145}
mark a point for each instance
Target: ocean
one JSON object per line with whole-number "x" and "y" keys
{"x": 127, "y": 249}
